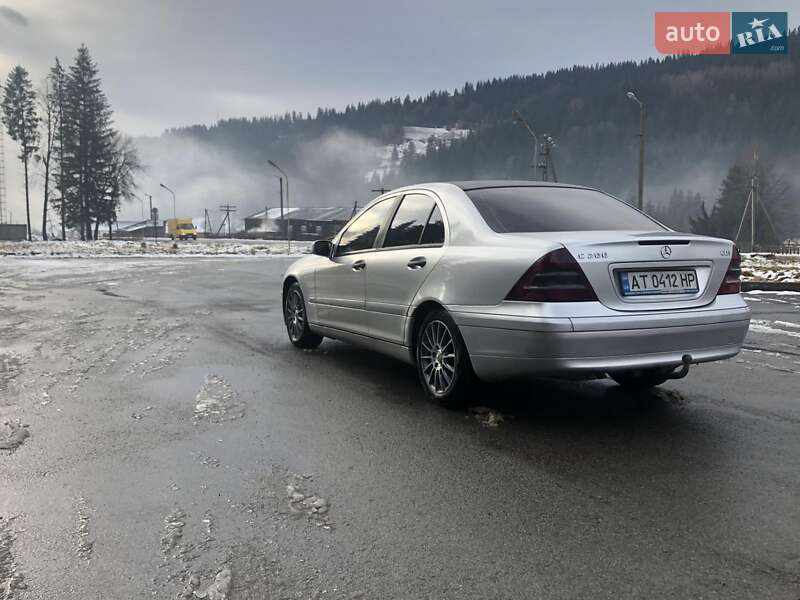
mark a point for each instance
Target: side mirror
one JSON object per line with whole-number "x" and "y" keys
{"x": 322, "y": 248}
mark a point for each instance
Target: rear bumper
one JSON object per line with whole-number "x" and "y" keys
{"x": 514, "y": 346}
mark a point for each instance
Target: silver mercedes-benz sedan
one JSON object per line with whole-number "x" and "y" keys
{"x": 498, "y": 279}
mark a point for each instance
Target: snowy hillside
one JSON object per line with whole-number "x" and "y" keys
{"x": 416, "y": 138}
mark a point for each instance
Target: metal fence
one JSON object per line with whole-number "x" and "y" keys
{"x": 13, "y": 233}
{"x": 779, "y": 249}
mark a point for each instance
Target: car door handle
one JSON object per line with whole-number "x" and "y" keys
{"x": 417, "y": 263}
{"x": 359, "y": 265}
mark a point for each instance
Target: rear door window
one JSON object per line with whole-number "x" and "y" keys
{"x": 409, "y": 221}
{"x": 434, "y": 230}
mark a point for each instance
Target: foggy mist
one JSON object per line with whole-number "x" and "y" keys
{"x": 203, "y": 176}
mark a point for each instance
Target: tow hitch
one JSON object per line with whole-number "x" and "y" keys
{"x": 683, "y": 370}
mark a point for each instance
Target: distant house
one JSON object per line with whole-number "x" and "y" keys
{"x": 138, "y": 229}
{"x": 306, "y": 222}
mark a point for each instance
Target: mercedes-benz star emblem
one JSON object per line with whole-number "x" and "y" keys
{"x": 666, "y": 252}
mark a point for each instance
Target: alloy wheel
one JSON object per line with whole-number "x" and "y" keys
{"x": 438, "y": 357}
{"x": 295, "y": 314}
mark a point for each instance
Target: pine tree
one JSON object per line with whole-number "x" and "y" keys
{"x": 776, "y": 215}
{"x": 87, "y": 145}
{"x": 21, "y": 122}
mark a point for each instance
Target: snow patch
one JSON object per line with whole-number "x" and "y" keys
{"x": 771, "y": 267}
{"x": 766, "y": 327}
{"x": 148, "y": 248}
{"x": 216, "y": 401}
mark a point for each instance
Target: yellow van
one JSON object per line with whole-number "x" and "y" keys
{"x": 181, "y": 228}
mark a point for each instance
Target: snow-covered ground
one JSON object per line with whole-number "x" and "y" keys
{"x": 126, "y": 248}
{"x": 755, "y": 267}
{"x": 771, "y": 267}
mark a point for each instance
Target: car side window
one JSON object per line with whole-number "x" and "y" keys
{"x": 409, "y": 221}
{"x": 434, "y": 230}
{"x": 363, "y": 232}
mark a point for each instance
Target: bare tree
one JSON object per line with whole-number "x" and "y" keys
{"x": 121, "y": 184}
{"x": 58, "y": 88}
{"x": 48, "y": 109}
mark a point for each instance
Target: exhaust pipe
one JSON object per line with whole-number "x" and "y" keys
{"x": 683, "y": 370}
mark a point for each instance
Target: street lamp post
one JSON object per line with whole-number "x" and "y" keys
{"x": 642, "y": 117}
{"x": 519, "y": 119}
{"x": 174, "y": 212}
{"x": 153, "y": 217}
{"x": 288, "y": 218}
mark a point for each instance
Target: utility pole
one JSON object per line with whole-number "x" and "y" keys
{"x": 754, "y": 193}
{"x": 546, "y": 164}
{"x": 227, "y": 209}
{"x": 642, "y": 118}
{"x": 154, "y": 216}
{"x": 381, "y": 190}
{"x": 543, "y": 148}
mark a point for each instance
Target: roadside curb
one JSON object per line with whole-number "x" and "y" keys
{"x": 771, "y": 286}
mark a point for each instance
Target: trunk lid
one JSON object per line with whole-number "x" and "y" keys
{"x": 605, "y": 255}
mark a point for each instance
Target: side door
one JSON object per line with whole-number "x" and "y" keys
{"x": 409, "y": 250}
{"x": 341, "y": 281}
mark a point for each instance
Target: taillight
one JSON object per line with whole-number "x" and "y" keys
{"x": 556, "y": 277}
{"x": 731, "y": 284}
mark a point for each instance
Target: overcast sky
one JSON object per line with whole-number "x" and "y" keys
{"x": 176, "y": 62}
{"x": 166, "y": 63}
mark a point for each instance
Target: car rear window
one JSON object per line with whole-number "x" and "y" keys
{"x": 540, "y": 209}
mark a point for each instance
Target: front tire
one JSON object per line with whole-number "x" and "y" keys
{"x": 443, "y": 364}
{"x": 296, "y": 318}
{"x": 641, "y": 379}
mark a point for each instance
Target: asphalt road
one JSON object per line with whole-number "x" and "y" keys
{"x": 167, "y": 414}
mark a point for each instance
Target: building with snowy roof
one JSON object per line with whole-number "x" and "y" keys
{"x": 306, "y": 222}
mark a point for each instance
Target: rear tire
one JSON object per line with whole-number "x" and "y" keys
{"x": 296, "y": 318}
{"x": 443, "y": 364}
{"x": 641, "y": 379}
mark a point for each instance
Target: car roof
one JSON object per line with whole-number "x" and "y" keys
{"x": 501, "y": 183}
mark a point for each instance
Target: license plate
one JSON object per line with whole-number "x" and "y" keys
{"x": 647, "y": 283}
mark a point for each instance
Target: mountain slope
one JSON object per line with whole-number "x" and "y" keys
{"x": 704, "y": 113}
